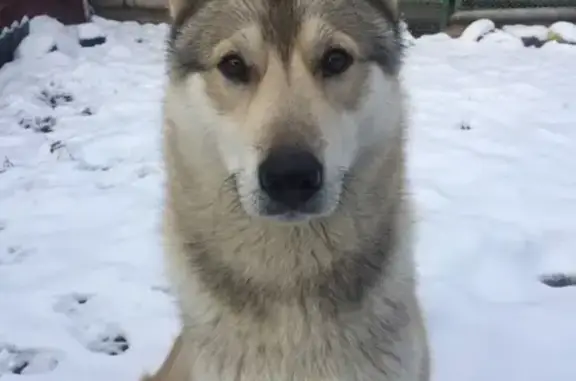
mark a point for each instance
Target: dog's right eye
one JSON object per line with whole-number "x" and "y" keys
{"x": 335, "y": 62}
{"x": 233, "y": 67}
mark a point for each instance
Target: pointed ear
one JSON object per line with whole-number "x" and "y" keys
{"x": 389, "y": 8}
{"x": 176, "y": 6}
{"x": 393, "y": 6}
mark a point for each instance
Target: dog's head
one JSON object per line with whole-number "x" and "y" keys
{"x": 292, "y": 91}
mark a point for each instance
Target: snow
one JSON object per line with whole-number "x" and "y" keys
{"x": 565, "y": 31}
{"x": 477, "y": 29}
{"x": 89, "y": 30}
{"x": 46, "y": 25}
{"x": 47, "y": 34}
{"x": 35, "y": 46}
{"x": 538, "y": 31}
{"x": 501, "y": 37}
{"x": 491, "y": 163}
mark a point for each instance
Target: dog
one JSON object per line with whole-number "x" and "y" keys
{"x": 287, "y": 220}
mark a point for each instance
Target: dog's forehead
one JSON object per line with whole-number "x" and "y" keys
{"x": 202, "y": 24}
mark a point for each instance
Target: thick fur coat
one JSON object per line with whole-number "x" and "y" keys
{"x": 323, "y": 293}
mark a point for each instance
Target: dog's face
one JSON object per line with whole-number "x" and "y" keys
{"x": 291, "y": 90}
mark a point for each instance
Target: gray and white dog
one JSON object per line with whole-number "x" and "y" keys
{"x": 287, "y": 224}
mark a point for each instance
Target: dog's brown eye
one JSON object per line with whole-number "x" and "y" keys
{"x": 234, "y": 68}
{"x": 334, "y": 62}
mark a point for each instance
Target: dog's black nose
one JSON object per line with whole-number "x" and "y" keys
{"x": 290, "y": 176}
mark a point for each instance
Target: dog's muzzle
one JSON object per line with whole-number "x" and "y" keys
{"x": 291, "y": 177}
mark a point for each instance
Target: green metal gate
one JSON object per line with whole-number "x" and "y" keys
{"x": 425, "y": 16}
{"x": 483, "y": 4}
{"x": 429, "y": 16}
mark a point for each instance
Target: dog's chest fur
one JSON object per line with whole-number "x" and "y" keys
{"x": 293, "y": 310}
{"x": 296, "y": 345}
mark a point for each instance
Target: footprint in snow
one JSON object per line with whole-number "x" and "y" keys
{"x": 38, "y": 124}
{"x": 558, "y": 280}
{"x": 55, "y": 98}
{"x": 95, "y": 335}
{"x": 87, "y": 111}
{"x": 71, "y": 304}
{"x": 27, "y": 361}
{"x": 556, "y": 261}
{"x": 107, "y": 339}
{"x": 13, "y": 254}
{"x": 146, "y": 171}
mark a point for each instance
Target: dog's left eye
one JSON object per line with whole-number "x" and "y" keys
{"x": 234, "y": 68}
{"x": 335, "y": 62}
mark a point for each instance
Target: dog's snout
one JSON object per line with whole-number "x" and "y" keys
{"x": 291, "y": 176}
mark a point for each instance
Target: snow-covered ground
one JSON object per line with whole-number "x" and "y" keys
{"x": 492, "y": 165}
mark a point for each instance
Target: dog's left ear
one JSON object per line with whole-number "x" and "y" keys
{"x": 391, "y": 6}
{"x": 177, "y": 6}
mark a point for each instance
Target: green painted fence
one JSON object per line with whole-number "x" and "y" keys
{"x": 424, "y": 16}
{"x": 484, "y": 4}
{"x": 10, "y": 38}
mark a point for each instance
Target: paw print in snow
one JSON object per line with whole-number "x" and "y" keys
{"x": 13, "y": 254}
{"x": 94, "y": 334}
{"x": 71, "y": 304}
{"x": 99, "y": 337}
{"x": 39, "y": 124}
{"x": 55, "y": 99}
{"x": 107, "y": 339}
{"x": 27, "y": 361}
{"x": 558, "y": 280}
{"x": 87, "y": 111}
